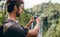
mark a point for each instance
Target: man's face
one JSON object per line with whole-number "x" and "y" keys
{"x": 18, "y": 12}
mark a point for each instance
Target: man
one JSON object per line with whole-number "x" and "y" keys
{"x": 11, "y": 27}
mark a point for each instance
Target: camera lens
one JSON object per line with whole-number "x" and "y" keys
{"x": 34, "y": 17}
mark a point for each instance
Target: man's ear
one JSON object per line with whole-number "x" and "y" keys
{"x": 15, "y": 8}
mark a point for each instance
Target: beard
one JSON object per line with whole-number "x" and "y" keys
{"x": 18, "y": 14}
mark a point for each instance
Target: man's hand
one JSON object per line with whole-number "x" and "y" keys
{"x": 37, "y": 20}
{"x": 31, "y": 19}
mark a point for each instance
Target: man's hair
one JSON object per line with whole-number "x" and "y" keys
{"x": 12, "y": 3}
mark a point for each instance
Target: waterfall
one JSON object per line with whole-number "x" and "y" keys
{"x": 40, "y": 28}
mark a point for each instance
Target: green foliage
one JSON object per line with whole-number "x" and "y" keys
{"x": 24, "y": 18}
{"x": 50, "y": 14}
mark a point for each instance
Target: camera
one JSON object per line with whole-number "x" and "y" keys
{"x": 35, "y": 16}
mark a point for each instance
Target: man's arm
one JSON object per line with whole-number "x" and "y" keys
{"x": 29, "y": 24}
{"x": 34, "y": 32}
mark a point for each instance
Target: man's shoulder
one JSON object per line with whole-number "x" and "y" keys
{"x": 14, "y": 25}
{"x": 9, "y": 21}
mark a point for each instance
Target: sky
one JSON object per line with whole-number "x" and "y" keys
{"x": 31, "y": 3}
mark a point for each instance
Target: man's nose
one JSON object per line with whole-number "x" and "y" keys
{"x": 21, "y": 10}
